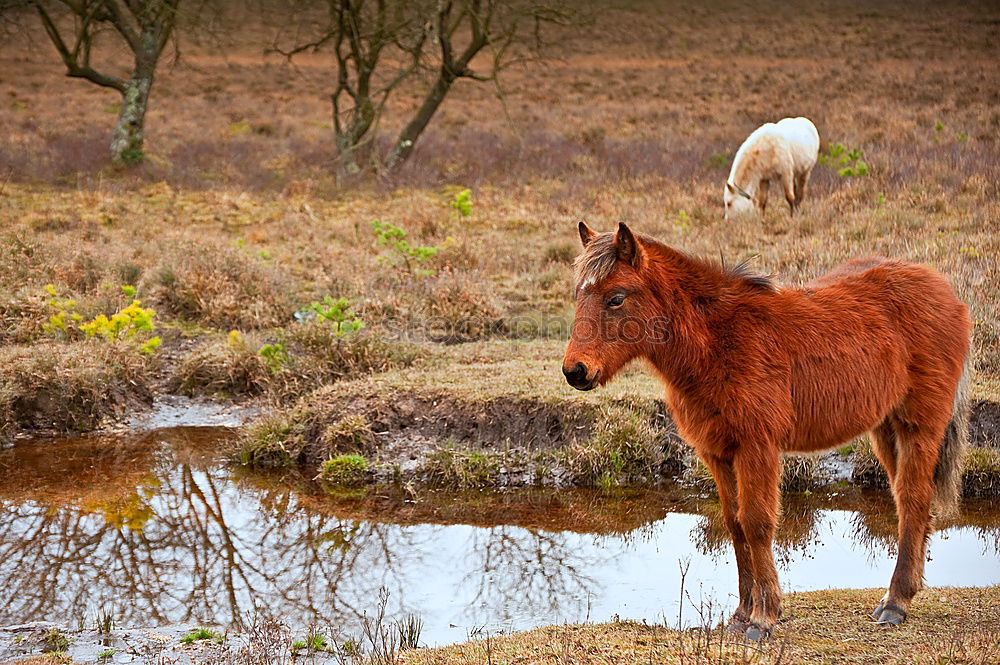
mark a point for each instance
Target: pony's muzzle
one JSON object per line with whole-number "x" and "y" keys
{"x": 576, "y": 376}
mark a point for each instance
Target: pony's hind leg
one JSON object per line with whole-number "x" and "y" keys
{"x": 800, "y": 187}
{"x": 913, "y": 490}
{"x": 725, "y": 480}
{"x": 788, "y": 185}
{"x": 758, "y": 471}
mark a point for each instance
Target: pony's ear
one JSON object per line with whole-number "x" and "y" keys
{"x": 627, "y": 246}
{"x": 729, "y": 186}
{"x": 586, "y": 234}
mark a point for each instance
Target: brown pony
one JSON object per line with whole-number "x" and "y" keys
{"x": 752, "y": 369}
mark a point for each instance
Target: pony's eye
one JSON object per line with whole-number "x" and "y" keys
{"x": 616, "y": 300}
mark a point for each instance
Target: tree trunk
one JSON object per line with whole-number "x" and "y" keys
{"x": 404, "y": 144}
{"x": 348, "y": 140}
{"x": 126, "y": 142}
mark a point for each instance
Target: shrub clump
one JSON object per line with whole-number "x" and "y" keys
{"x": 461, "y": 469}
{"x": 627, "y": 444}
{"x": 301, "y": 435}
{"x": 982, "y": 472}
{"x": 223, "y": 287}
{"x": 230, "y": 367}
{"x": 70, "y": 387}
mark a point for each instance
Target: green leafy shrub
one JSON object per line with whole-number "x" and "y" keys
{"x": 401, "y": 251}
{"x": 274, "y": 355}
{"x": 333, "y": 312}
{"x": 462, "y": 203}
{"x": 847, "y": 162}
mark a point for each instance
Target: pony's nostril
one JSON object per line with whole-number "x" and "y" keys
{"x": 577, "y": 374}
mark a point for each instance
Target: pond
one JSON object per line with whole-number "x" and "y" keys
{"x": 159, "y": 528}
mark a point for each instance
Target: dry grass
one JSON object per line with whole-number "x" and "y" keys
{"x": 236, "y": 221}
{"x": 823, "y": 627}
{"x": 69, "y": 387}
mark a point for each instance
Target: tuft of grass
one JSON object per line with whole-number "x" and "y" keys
{"x": 348, "y": 470}
{"x": 981, "y": 476}
{"x": 461, "y": 469}
{"x": 201, "y": 633}
{"x": 274, "y": 441}
{"x": 55, "y": 640}
{"x": 627, "y": 444}
{"x": 221, "y": 286}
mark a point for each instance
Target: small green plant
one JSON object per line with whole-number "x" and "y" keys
{"x": 239, "y": 128}
{"x": 394, "y": 237}
{"x": 54, "y": 640}
{"x": 719, "y": 160}
{"x": 298, "y": 645}
{"x": 274, "y": 355}
{"x": 962, "y": 136}
{"x": 333, "y": 312}
{"x": 130, "y": 324}
{"x": 880, "y": 200}
{"x": 106, "y": 654}
{"x": 64, "y": 315}
{"x": 970, "y": 252}
{"x": 462, "y": 203}
{"x": 105, "y": 620}
{"x": 318, "y": 642}
{"x": 199, "y": 634}
{"x": 683, "y": 222}
{"x": 847, "y": 162}
{"x": 345, "y": 470}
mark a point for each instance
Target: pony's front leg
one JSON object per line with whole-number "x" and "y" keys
{"x": 725, "y": 479}
{"x": 758, "y": 471}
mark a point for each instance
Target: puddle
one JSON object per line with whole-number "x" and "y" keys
{"x": 156, "y": 527}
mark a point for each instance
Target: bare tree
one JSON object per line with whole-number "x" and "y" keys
{"x": 378, "y": 45}
{"x": 143, "y": 26}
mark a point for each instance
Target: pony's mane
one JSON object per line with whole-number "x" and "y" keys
{"x": 600, "y": 256}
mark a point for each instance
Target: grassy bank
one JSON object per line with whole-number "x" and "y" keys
{"x": 824, "y": 627}
{"x": 498, "y": 414}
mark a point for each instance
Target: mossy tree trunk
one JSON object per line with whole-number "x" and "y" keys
{"x": 127, "y": 140}
{"x": 144, "y": 26}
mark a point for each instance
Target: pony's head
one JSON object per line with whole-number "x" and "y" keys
{"x": 616, "y": 309}
{"x": 738, "y": 201}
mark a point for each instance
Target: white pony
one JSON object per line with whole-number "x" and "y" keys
{"x": 784, "y": 152}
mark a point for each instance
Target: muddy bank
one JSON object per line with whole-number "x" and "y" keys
{"x": 364, "y": 433}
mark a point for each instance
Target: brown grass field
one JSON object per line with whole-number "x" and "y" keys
{"x": 236, "y": 221}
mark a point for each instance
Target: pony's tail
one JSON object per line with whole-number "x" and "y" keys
{"x": 951, "y": 455}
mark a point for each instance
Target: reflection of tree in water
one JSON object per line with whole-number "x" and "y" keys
{"x": 184, "y": 544}
{"x": 529, "y": 571}
{"x": 167, "y": 537}
{"x": 194, "y": 551}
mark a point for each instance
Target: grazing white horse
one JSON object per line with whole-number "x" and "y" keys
{"x": 783, "y": 152}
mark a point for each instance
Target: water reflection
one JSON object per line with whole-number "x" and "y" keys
{"x": 161, "y": 530}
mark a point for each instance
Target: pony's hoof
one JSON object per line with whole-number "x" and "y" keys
{"x": 891, "y": 616}
{"x": 878, "y": 610}
{"x": 737, "y": 626}
{"x": 757, "y": 633}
